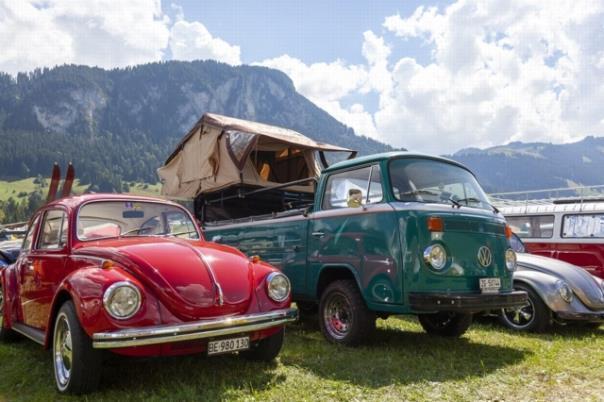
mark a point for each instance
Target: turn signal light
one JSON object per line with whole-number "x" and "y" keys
{"x": 436, "y": 224}
{"x": 107, "y": 264}
{"x": 508, "y": 231}
{"x": 255, "y": 259}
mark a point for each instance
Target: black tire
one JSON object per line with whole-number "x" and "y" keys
{"x": 343, "y": 316}
{"x": 6, "y": 334}
{"x": 77, "y": 367}
{"x": 444, "y": 323}
{"x": 267, "y": 349}
{"x": 534, "y": 317}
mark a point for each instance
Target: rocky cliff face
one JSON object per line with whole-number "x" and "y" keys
{"x": 121, "y": 124}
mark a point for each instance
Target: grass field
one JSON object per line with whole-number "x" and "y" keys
{"x": 401, "y": 363}
{"x": 19, "y": 189}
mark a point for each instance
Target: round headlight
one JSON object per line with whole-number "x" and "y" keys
{"x": 277, "y": 286}
{"x": 122, "y": 300}
{"x": 436, "y": 256}
{"x": 510, "y": 259}
{"x": 566, "y": 293}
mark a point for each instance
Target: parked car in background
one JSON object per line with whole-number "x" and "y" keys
{"x": 394, "y": 233}
{"x": 568, "y": 230}
{"x": 557, "y": 292}
{"x": 9, "y": 251}
{"x": 133, "y": 275}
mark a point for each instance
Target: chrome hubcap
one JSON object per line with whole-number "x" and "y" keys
{"x": 337, "y": 316}
{"x": 520, "y": 317}
{"x": 63, "y": 355}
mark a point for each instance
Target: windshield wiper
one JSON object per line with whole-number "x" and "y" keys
{"x": 476, "y": 200}
{"x": 419, "y": 192}
{"x": 469, "y": 199}
{"x": 454, "y": 202}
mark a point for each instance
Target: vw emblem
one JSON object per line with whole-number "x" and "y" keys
{"x": 484, "y": 256}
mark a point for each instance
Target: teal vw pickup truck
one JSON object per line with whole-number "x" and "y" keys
{"x": 393, "y": 233}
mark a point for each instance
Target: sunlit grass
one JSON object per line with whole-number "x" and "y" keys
{"x": 400, "y": 363}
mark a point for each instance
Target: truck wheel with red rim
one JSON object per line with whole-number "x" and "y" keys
{"x": 446, "y": 323}
{"x": 77, "y": 366}
{"x": 535, "y": 316}
{"x": 267, "y": 349}
{"x": 343, "y": 315}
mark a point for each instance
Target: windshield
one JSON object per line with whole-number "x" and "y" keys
{"x": 425, "y": 180}
{"x": 103, "y": 219}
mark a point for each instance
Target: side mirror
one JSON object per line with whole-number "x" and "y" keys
{"x": 217, "y": 239}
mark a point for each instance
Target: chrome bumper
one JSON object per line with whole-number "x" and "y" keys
{"x": 192, "y": 330}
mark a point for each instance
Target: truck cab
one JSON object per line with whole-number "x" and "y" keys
{"x": 393, "y": 233}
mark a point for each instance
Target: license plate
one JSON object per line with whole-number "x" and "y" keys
{"x": 228, "y": 345}
{"x": 490, "y": 285}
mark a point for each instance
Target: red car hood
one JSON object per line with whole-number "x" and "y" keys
{"x": 193, "y": 279}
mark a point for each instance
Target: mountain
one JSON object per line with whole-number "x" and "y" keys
{"x": 530, "y": 166}
{"x": 121, "y": 124}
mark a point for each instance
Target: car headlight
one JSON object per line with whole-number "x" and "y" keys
{"x": 510, "y": 259}
{"x": 436, "y": 256}
{"x": 565, "y": 292}
{"x": 122, "y": 300}
{"x": 277, "y": 286}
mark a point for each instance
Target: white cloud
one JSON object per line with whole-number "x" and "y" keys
{"x": 49, "y": 32}
{"x": 500, "y": 71}
{"x": 45, "y": 33}
{"x": 326, "y": 84}
{"x": 191, "y": 41}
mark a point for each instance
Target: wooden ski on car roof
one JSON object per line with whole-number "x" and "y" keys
{"x": 55, "y": 180}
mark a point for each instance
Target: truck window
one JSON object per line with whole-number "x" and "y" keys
{"x": 583, "y": 226}
{"x": 353, "y": 188}
{"x": 535, "y": 227}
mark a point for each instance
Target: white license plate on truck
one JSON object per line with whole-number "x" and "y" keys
{"x": 490, "y": 285}
{"x": 228, "y": 345}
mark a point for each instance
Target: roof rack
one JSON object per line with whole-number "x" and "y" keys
{"x": 549, "y": 197}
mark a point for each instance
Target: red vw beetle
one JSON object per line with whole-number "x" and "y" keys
{"x": 133, "y": 275}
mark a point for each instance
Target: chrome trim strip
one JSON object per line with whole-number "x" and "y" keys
{"x": 189, "y": 331}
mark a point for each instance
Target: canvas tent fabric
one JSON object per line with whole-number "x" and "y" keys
{"x": 221, "y": 151}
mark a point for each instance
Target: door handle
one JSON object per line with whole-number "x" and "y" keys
{"x": 318, "y": 234}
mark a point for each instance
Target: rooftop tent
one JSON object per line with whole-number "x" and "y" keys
{"x": 220, "y": 152}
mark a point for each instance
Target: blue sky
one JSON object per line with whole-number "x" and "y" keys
{"x": 430, "y": 76}
{"x": 310, "y": 30}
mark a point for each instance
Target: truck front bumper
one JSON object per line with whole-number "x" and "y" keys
{"x": 192, "y": 330}
{"x": 466, "y": 302}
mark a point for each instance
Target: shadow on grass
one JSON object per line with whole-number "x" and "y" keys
{"x": 573, "y": 330}
{"x": 29, "y": 376}
{"x": 395, "y": 356}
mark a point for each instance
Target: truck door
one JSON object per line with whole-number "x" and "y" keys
{"x": 356, "y": 230}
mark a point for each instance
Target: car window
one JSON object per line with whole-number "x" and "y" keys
{"x": 353, "y": 188}
{"x": 583, "y": 226}
{"x": 53, "y": 232}
{"x": 30, "y": 234}
{"x": 179, "y": 224}
{"x": 540, "y": 226}
{"x": 106, "y": 219}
